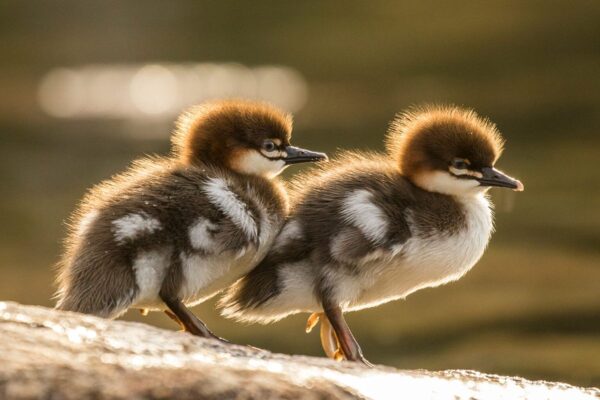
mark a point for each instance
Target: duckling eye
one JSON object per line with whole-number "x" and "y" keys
{"x": 269, "y": 145}
{"x": 460, "y": 163}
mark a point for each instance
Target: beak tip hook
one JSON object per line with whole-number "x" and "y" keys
{"x": 520, "y": 187}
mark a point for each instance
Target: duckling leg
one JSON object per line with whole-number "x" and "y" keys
{"x": 174, "y": 318}
{"x": 330, "y": 342}
{"x": 346, "y": 341}
{"x": 188, "y": 320}
{"x": 312, "y": 321}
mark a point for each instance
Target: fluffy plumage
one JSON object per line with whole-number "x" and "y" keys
{"x": 425, "y": 137}
{"x": 152, "y": 208}
{"x": 215, "y": 133}
{"x": 178, "y": 230}
{"x": 371, "y": 228}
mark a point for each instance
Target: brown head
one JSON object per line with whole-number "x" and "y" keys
{"x": 247, "y": 137}
{"x": 448, "y": 150}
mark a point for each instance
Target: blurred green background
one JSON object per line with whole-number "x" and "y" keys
{"x": 531, "y": 306}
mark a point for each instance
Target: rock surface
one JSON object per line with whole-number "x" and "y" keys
{"x": 56, "y": 355}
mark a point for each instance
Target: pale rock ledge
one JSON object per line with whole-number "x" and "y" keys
{"x": 46, "y": 354}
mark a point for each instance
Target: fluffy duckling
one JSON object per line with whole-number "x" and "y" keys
{"x": 374, "y": 228}
{"x": 172, "y": 232}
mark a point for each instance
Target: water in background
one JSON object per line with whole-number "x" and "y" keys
{"x": 87, "y": 87}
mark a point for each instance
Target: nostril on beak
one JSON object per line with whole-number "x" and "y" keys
{"x": 297, "y": 155}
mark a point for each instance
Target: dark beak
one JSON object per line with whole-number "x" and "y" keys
{"x": 296, "y": 155}
{"x": 493, "y": 177}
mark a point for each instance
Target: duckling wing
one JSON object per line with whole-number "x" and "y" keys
{"x": 354, "y": 220}
{"x": 156, "y": 224}
{"x": 335, "y": 229}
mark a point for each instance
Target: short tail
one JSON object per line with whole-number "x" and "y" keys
{"x": 247, "y": 299}
{"x": 276, "y": 288}
{"x": 102, "y": 287}
{"x": 99, "y": 305}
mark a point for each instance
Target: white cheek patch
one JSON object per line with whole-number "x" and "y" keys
{"x": 443, "y": 182}
{"x": 254, "y": 163}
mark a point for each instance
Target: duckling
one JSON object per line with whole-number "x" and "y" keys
{"x": 171, "y": 232}
{"x": 377, "y": 227}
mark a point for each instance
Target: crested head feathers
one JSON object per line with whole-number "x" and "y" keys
{"x": 430, "y": 136}
{"x": 211, "y": 131}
